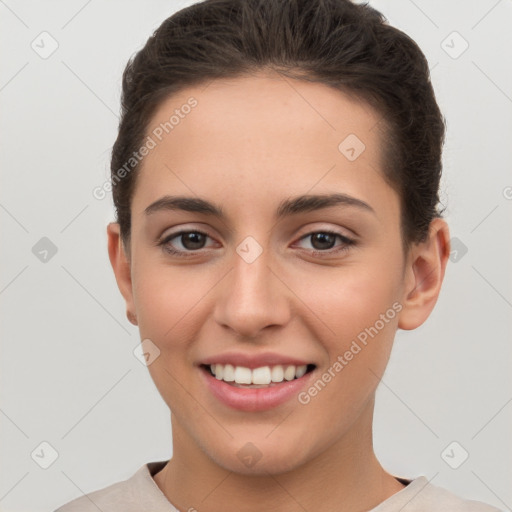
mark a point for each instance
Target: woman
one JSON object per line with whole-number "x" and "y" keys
{"x": 275, "y": 178}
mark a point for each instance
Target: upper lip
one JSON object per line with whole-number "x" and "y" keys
{"x": 254, "y": 360}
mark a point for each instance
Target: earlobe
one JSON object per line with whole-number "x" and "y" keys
{"x": 121, "y": 266}
{"x": 425, "y": 271}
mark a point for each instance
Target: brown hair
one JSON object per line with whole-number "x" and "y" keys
{"x": 334, "y": 42}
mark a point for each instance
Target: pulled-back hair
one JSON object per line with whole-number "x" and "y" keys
{"x": 344, "y": 45}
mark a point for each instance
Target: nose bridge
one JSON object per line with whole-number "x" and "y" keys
{"x": 252, "y": 298}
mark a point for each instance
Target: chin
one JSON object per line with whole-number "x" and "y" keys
{"x": 247, "y": 459}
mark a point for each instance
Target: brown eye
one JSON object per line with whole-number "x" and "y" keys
{"x": 193, "y": 240}
{"x": 190, "y": 241}
{"x": 324, "y": 242}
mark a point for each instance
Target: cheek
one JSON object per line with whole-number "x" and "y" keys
{"x": 169, "y": 306}
{"x": 168, "y": 302}
{"x": 358, "y": 305}
{"x": 360, "y": 311}
{"x": 348, "y": 300}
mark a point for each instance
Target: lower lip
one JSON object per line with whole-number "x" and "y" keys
{"x": 254, "y": 399}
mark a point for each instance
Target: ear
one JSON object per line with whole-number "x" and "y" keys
{"x": 424, "y": 274}
{"x": 121, "y": 265}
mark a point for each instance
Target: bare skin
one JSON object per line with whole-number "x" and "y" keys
{"x": 249, "y": 144}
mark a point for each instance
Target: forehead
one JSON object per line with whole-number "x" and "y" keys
{"x": 262, "y": 131}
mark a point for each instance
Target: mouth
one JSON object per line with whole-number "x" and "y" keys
{"x": 256, "y": 389}
{"x": 262, "y": 377}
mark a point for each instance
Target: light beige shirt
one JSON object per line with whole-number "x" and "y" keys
{"x": 140, "y": 493}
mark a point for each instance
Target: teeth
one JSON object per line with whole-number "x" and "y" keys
{"x": 242, "y": 375}
{"x": 289, "y": 373}
{"x": 277, "y": 374}
{"x": 263, "y": 375}
{"x": 219, "y": 371}
{"x": 229, "y": 373}
{"x": 300, "y": 371}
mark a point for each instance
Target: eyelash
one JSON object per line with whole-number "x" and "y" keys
{"x": 347, "y": 243}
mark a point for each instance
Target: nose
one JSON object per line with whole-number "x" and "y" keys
{"x": 252, "y": 297}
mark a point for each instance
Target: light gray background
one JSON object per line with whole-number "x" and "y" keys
{"x": 68, "y": 373}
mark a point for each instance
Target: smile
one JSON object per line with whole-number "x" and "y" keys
{"x": 256, "y": 397}
{"x": 262, "y": 376}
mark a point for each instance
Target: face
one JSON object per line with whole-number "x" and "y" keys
{"x": 321, "y": 284}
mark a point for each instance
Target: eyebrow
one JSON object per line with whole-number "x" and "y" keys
{"x": 290, "y": 206}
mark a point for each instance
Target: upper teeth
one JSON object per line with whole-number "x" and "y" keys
{"x": 261, "y": 375}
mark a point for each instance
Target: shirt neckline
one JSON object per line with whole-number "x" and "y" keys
{"x": 150, "y": 469}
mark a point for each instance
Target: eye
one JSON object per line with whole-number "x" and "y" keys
{"x": 323, "y": 241}
{"x": 190, "y": 241}
{"x": 194, "y": 240}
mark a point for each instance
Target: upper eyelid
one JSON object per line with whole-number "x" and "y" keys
{"x": 346, "y": 232}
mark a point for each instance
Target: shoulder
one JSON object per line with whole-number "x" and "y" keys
{"x": 422, "y": 496}
{"x": 435, "y": 497}
{"x": 114, "y": 497}
{"x": 126, "y": 495}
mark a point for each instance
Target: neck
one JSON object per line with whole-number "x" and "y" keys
{"x": 346, "y": 477}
